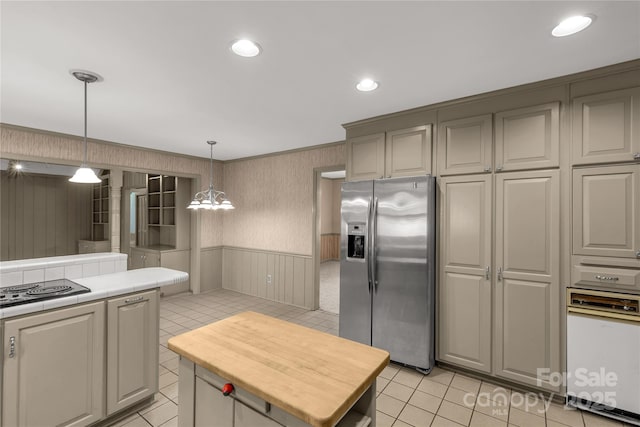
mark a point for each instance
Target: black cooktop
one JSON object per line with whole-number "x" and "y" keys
{"x": 32, "y": 292}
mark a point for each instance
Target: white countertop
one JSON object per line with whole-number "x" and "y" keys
{"x": 105, "y": 286}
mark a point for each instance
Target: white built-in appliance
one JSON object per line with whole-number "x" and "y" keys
{"x": 603, "y": 353}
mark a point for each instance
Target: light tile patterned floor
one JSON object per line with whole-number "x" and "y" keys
{"x": 405, "y": 397}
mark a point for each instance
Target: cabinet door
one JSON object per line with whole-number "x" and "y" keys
{"x": 606, "y": 211}
{"x": 528, "y": 138}
{"x": 136, "y": 259}
{"x": 212, "y": 408}
{"x": 132, "y": 349}
{"x": 464, "y": 145}
{"x": 465, "y": 284}
{"x": 152, "y": 259}
{"x": 527, "y": 323}
{"x": 365, "y": 157}
{"x": 408, "y": 152}
{"x": 606, "y": 127}
{"x": 53, "y": 374}
{"x": 247, "y": 417}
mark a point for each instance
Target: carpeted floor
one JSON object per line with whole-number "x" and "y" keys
{"x": 330, "y": 286}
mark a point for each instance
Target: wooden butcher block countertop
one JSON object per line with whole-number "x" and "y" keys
{"x": 312, "y": 375}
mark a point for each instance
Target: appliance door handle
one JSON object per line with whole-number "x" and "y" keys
{"x": 374, "y": 231}
{"x": 369, "y": 263}
{"x": 603, "y": 314}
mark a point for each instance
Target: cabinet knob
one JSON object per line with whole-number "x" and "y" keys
{"x": 636, "y": 156}
{"x": 12, "y": 347}
{"x": 638, "y": 253}
{"x": 499, "y": 168}
{"x": 499, "y": 274}
{"x": 227, "y": 389}
{"x": 487, "y": 169}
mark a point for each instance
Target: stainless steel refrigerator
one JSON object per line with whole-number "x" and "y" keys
{"x": 387, "y": 267}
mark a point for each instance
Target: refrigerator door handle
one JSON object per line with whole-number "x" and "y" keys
{"x": 369, "y": 263}
{"x": 373, "y": 231}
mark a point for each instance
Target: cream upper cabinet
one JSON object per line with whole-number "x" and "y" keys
{"x": 606, "y": 127}
{"x": 53, "y": 368}
{"x": 528, "y": 138}
{"x": 527, "y": 276}
{"x": 408, "y": 152}
{"x": 464, "y": 292}
{"x": 465, "y": 145}
{"x": 405, "y": 152}
{"x": 606, "y": 211}
{"x": 132, "y": 349}
{"x": 365, "y": 157}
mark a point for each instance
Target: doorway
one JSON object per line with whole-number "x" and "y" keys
{"x": 328, "y": 201}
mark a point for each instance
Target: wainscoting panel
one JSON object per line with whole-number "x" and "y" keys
{"x": 247, "y": 271}
{"x": 42, "y": 216}
{"x": 211, "y": 268}
{"x": 329, "y": 247}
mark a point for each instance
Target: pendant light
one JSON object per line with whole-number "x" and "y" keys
{"x": 210, "y": 199}
{"x": 84, "y": 174}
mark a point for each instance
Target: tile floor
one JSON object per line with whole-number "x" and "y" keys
{"x": 330, "y": 286}
{"x": 405, "y": 397}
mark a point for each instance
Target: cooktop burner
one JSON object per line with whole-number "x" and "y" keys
{"x": 31, "y": 292}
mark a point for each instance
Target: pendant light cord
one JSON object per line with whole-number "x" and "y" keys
{"x": 85, "y": 123}
{"x": 211, "y": 169}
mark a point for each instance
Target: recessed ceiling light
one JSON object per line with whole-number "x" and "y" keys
{"x": 572, "y": 25}
{"x": 17, "y": 166}
{"x": 245, "y": 48}
{"x": 367, "y": 85}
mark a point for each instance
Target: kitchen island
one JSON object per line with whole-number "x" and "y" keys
{"x": 274, "y": 373}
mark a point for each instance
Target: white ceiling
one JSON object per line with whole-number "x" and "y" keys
{"x": 171, "y": 82}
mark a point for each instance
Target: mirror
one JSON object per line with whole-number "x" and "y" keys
{"x": 43, "y": 214}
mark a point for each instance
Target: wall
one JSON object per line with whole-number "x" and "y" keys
{"x": 270, "y": 233}
{"x": 22, "y": 143}
{"x": 330, "y": 196}
{"x": 42, "y": 215}
{"x": 329, "y": 201}
{"x": 273, "y": 196}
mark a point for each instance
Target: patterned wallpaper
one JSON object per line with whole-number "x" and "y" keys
{"x": 273, "y": 196}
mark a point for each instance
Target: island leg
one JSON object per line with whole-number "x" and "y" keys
{"x": 186, "y": 390}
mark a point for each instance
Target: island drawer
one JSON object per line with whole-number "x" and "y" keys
{"x": 239, "y": 394}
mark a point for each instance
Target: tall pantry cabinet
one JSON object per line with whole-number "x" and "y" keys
{"x": 499, "y": 218}
{"x": 606, "y": 185}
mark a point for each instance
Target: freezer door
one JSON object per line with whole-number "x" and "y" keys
{"x": 355, "y": 296}
{"x": 403, "y": 298}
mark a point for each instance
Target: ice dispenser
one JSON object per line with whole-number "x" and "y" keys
{"x": 356, "y": 240}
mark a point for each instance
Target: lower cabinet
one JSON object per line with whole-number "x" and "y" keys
{"x": 212, "y": 408}
{"x": 243, "y": 416}
{"x": 176, "y": 259}
{"x": 54, "y": 368}
{"x": 54, "y": 362}
{"x": 132, "y": 349}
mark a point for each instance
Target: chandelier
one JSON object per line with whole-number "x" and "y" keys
{"x": 210, "y": 198}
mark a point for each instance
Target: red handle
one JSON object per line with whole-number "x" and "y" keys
{"x": 227, "y": 389}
